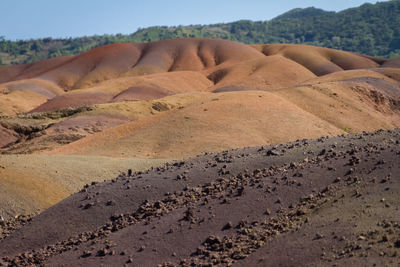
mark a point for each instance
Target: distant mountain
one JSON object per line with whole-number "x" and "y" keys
{"x": 369, "y": 29}
{"x": 304, "y": 13}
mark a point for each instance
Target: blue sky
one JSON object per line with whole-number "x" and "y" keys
{"x": 26, "y": 19}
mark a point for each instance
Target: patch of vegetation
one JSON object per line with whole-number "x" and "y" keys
{"x": 369, "y": 29}
{"x": 64, "y": 139}
{"x": 23, "y": 129}
{"x": 160, "y": 106}
{"x": 58, "y": 114}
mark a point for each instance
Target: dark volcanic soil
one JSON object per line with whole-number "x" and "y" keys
{"x": 326, "y": 202}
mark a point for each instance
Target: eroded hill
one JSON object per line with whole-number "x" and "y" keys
{"x": 179, "y": 98}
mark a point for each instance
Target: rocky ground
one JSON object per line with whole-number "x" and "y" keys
{"x": 12, "y": 224}
{"x": 323, "y": 202}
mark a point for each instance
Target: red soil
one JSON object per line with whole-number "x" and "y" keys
{"x": 224, "y": 63}
{"x": 319, "y": 60}
{"x": 31, "y": 70}
{"x": 280, "y": 203}
{"x": 392, "y": 63}
{"x": 141, "y": 93}
{"x": 73, "y": 100}
{"x": 7, "y": 136}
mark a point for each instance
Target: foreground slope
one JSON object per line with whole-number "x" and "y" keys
{"x": 310, "y": 202}
{"x": 33, "y": 183}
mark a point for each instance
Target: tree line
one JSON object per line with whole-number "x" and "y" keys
{"x": 372, "y": 29}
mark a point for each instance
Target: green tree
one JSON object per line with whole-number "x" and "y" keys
{"x": 369, "y": 29}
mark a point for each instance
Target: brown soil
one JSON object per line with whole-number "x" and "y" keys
{"x": 223, "y": 63}
{"x": 68, "y": 121}
{"x": 327, "y": 201}
{"x": 33, "y": 183}
{"x": 73, "y": 100}
{"x": 7, "y": 136}
{"x": 320, "y": 60}
{"x": 141, "y": 93}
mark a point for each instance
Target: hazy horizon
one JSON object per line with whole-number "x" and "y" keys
{"x": 40, "y": 19}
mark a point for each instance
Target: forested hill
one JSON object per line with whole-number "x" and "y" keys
{"x": 369, "y": 29}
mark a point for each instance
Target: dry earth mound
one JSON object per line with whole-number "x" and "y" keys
{"x": 320, "y": 60}
{"x": 183, "y": 97}
{"x": 224, "y": 63}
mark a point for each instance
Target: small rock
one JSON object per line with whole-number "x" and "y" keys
{"x": 240, "y": 191}
{"x": 212, "y": 240}
{"x": 110, "y": 203}
{"x": 86, "y": 254}
{"x": 273, "y": 152}
{"x": 337, "y": 180}
{"x": 300, "y": 212}
{"x": 102, "y": 252}
{"x": 88, "y": 205}
{"x": 227, "y": 226}
{"x": 361, "y": 237}
{"x": 318, "y": 236}
{"x": 350, "y": 171}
